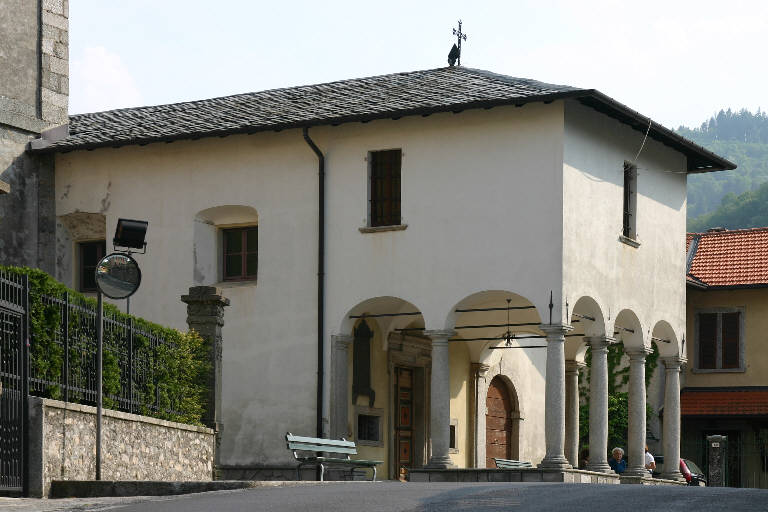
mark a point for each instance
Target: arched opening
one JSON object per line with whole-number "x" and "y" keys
{"x": 501, "y": 423}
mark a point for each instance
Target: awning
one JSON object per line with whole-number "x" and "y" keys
{"x": 742, "y": 401}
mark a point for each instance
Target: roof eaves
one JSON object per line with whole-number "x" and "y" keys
{"x": 640, "y": 122}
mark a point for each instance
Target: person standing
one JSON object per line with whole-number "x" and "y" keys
{"x": 650, "y": 462}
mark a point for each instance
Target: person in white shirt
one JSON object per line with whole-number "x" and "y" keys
{"x": 650, "y": 462}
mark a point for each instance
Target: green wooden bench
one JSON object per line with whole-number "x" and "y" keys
{"x": 318, "y": 445}
{"x": 512, "y": 464}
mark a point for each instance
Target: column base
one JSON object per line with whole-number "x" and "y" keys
{"x": 558, "y": 462}
{"x": 440, "y": 463}
{"x": 676, "y": 475}
{"x": 600, "y": 467}
{"x": 637, "y": 472}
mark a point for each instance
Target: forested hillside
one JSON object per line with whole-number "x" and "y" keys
{"x": 731, "y": 198}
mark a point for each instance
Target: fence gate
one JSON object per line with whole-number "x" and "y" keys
{"x": 14, "y": 384}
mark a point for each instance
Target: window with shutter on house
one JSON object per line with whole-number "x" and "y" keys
{"x": 241, "y": 253}
{"x": 719, "y": 340}
{"x": 384, "y": 187}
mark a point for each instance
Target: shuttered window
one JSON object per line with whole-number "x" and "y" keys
{"x": 719, "y": 340}
{"x": 384, "y": 187}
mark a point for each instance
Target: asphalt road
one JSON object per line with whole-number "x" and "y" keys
{"x": 418, "y": 497}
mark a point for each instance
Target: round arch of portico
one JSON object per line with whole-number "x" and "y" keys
{"x": 382, "y": 305}
{"x": 666, "y": 339}
{"x": 628, "y": 329}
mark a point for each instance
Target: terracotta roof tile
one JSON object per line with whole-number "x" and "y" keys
{"x": 731, "y": 257}
{"x": 738, "y": 402}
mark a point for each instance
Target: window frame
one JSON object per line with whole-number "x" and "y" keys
{"x": 81, "y": 270}
{"x": 395, "y": 215}
{"x": 629, "y": 202}
{"x": 361, "y": 410}
{"x": 244, "y": 253}
{"x": 719, "y": 311}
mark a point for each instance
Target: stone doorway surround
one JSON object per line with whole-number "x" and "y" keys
{"x": 482, "y": 375}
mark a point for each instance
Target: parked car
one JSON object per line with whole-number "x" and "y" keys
{"x": 690, "y": 470}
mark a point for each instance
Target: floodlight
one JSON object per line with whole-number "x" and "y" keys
{"x": 130, "y": 234}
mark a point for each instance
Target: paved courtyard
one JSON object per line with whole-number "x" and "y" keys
{"x": 426, "y": 497}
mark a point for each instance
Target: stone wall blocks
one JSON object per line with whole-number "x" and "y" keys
{"x": 54, "y": 6}
{"x": 61, "y": 50}
{"x": 55, "y": 20}
{"x": 57, "y": 65}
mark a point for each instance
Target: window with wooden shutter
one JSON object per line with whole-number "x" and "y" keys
{"x": 384, "y": 187}
{"x": 719, "y": 339}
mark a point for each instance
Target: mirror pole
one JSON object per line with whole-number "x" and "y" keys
{"x": 99, "y": 350}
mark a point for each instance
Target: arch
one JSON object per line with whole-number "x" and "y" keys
{"x": 665, "y": 338}
{"x": 587, "y": 320}
{"x": 490, "y": 321}
{"x": 383, "y": 305}
{"x": 628, "y": 329}
{"x": 502, "y": 431}
{"x": 228, "y": 215}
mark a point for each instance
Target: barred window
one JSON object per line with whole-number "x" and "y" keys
{"x": 384, "y": 187}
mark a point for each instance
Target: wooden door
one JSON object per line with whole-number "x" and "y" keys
{"x": 498, "y": 423}
{"x": 404, "y": 417}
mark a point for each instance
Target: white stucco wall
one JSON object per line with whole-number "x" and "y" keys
{"x": 648, "y": 280}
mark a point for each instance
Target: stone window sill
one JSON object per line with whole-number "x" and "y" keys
{"x": 380, "y": 229}
{"x": 718, "y": 370}
{"x": 629, "y": 241}
{"x": 236, "y": 284}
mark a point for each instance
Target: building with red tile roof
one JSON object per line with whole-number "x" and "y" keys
{"x": 725, "y": 384}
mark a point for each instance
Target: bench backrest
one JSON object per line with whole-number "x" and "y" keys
{"x": 316, "y": 444}
{"x": 512, "y": 464}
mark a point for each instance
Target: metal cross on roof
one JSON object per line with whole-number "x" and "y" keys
{"x": 460, "y": 36}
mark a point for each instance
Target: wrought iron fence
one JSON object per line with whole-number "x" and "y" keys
{"x": 745, "y": 457}
{"x": 63, "y": 357}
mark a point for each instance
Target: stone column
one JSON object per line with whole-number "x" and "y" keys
{"x": 554, "y": 398}
{"x": 598, "y": 405}
{"x": 205, "y": 315}
{"x": 671, "y": 427}
{"x": 440, "y": 400}
{"x": 340, "y": 412}
{"x": 479, "y": 371}
{"x": 636, "y": 434}
{"x": 572, "y": 411}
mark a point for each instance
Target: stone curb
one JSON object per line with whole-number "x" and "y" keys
{"x": 125, "y": 488}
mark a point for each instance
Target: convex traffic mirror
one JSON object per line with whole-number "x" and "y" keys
{"x": 118, "y": 276}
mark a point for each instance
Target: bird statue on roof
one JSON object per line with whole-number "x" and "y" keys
{"x": 453, "y": 55}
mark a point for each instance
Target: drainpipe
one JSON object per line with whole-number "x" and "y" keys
{"x": 320, "y": 277}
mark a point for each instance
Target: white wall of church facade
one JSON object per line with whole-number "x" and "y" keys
{"x": 491, "y": 202}
{"x": 648, "y": 280}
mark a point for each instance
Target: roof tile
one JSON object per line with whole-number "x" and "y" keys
{"x": 724, "y": 403}
{"x": 731, "y": 257}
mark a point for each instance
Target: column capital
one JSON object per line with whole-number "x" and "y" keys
{"x": 438, "y": 335}
{"x": 598, "y": 342}
{"x": 480, "y": 369}
{"x": 572, "y": 366}
{"x": 638, "y": 353}
{"x": 342, "y": 341}
{"x": 561, "y": 329}
{"x": 673, "y": 362}
{"x": 205, "y": 295}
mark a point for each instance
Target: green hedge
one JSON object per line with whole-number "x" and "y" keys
{"x": 172, "y": 379}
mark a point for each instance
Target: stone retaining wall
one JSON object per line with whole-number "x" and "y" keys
{"x": 63, "y": 446}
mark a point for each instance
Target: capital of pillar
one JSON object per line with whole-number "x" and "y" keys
{"x": 439, "y": 336}
{"x": 556, "y": 332}
{"x": 597, "y": 343}
{"x": 480, "y": 370}
{"x": 673, "y": 362}
{"x": 637, "y": 354}
{"x": 572, "y": 366}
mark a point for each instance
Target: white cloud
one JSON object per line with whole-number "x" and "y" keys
{"x": 101, "y": 81}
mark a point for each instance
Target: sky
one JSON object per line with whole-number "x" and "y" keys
{"x": 677, "y": 61}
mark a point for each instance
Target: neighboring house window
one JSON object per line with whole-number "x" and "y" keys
{"x": 719, "y": 340}
{"x": 241, "y": 253}
{"x": 384, "y": 187}
{"x": 629, "y": 229}
{"x": 90, "y": 253}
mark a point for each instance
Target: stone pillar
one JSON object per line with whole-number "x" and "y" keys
{"x": 340, "y": 386}
{"x": 636, "y": 434}
{"x": 671, "y": 427}
{"x": 440, "y": 400}
{"x": 598, "y": 405}
{"x": 205, "y": 315}
{"x": 554, "y": 398}
{"x": 572, "y": 411}
{"x": 479, "y": 371}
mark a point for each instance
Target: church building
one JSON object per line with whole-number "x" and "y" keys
{"x": 416, "y": 261}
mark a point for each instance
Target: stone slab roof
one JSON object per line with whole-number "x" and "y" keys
{"x": 360, "y": 99}
{"x": 724, "y": 402}
{"x": 730, "y": 258}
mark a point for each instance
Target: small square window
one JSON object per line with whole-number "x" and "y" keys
{"x": 90, "y": 253}
{"x": 241, "y": 253}
{"x": 384, "y": 187}
{"x": 368, "y": 428}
